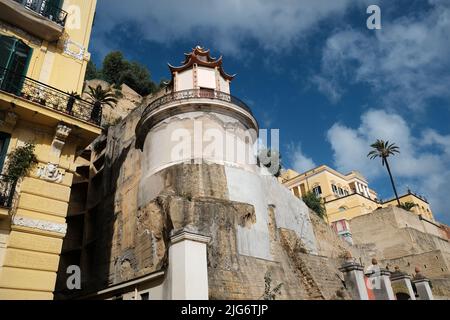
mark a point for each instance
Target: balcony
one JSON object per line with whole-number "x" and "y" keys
{"x": 192, "y": 99}
{"x": 7, "y": 188}
{"x": 38, "y": 17}
{"x": 48, "y": 97}
{"x": 196, "y": 93}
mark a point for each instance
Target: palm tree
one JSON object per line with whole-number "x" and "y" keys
{"x": 383, "y": 150}
{"x": 100, "y": 97}
{"x": 408, "y": 206}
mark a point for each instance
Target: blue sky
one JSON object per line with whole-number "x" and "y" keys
{"x": 312, "y": 69}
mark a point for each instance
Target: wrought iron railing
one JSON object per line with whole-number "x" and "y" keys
{"x": 49, "y": 97}
{"x": 7, "y": 188}
{"x": 197, "y": 93}
{"x": 45, "y": 9}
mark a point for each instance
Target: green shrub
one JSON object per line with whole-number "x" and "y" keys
{"x": 314, "y": 203}
{"x": 20, "y": 161}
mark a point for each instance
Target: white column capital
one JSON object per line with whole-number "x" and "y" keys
{"x": 189, "y": 235}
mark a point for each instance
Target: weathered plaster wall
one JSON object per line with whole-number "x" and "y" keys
{"x": 198, "y": 137}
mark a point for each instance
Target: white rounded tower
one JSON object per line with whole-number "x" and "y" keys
{"x": 197, "y": 120}
{"x": 199, "y": 159}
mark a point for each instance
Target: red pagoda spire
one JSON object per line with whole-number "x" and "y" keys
{"x": 201, "y": 57}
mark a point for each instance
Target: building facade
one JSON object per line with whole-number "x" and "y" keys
{"x": 43, "y": 59}
{"x": 346, "y": 196}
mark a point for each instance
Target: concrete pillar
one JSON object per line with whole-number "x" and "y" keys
{"x": 401, "y": 282}
{"x": 422, "y": 284}
{"x": 354, "y": 280}
{"x": 188, "y": 269}
{"x": 423, "y": 289}
{"x": 380, "y": 283}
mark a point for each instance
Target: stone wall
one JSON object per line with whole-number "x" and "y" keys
{"x": 400, "y": 238}
{"x": 434, "y": 264}
{"x": 392, "y": 232}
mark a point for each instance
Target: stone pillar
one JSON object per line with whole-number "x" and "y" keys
{"x": 188, "y": 269}
{"x": 401, "y": 283}
{"x": 354, "y": 279}
{"x": 423, "y": 289}
{"x": 422, "y": 285}
{"x": 380, "y": 282}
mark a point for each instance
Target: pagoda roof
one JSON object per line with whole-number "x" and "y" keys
{"x": 201, "y": 57}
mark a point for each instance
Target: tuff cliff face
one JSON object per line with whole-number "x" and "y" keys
{"x": 255, "y": 224}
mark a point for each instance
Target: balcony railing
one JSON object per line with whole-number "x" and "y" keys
{"x": 197, "y": 93}
{"x": 47, "y": 96}
{"x": 7, "y": 188}
{"x": 45, "y": 9}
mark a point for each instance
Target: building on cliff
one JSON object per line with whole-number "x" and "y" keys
{"x": 165, "y": 208}
{"x": 43, "y": 57}
{"x": 346, "y": 195}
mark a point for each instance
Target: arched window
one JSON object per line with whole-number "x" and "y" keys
{"x": 343, "y": 208}
{"x": 317, "y": 190}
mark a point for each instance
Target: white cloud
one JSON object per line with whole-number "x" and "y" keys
{"x": 298, "y": 160}
{"x": 275, "y": 25}
{"x": 423, "y": 163}
{"x": 327, "y": 87}
{"x": 407, "y": 61}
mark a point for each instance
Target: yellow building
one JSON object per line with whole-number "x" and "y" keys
{"x": 43, "y": 57}
{"x": 345, "y": 196}
{"x": 421, "y": 205}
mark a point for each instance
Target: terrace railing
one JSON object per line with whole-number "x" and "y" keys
{"x": 46, "y": 9}
{"x": 48, "y": 96}
{"x": 197, "y": 93}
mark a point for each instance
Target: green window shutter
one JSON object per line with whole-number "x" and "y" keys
{"x": 4, "y": 144}
{"x": 14, "y": 59}
{"x": 6, "y": 51}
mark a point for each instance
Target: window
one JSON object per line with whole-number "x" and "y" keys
{"x": 14, "y": 58}
{"x": 317, "y": 190}
{"x": 342, "y": 209}
{"x": 334, "y": 188}
{"x": 302, "y": 189}
{"x": 296, "y": 192}
{"x": 145, "y": 296}
{"x": 341, "y": 192}
{"x": 4, "y": 143}
{"x": 346, "y": 192}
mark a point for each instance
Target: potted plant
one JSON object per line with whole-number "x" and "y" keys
{"x": 73, "y": 96}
